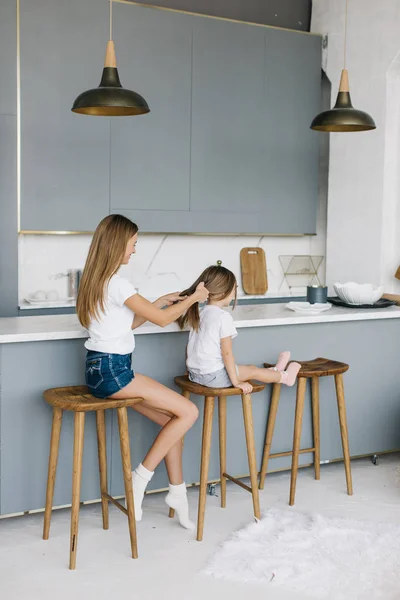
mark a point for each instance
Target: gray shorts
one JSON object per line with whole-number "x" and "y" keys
{"x": 218, "y": 379}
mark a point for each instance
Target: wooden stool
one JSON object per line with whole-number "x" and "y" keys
{"x": 188, "y": 387}
{"x": 80, "y": 401}
{"x": 310, "y": 369}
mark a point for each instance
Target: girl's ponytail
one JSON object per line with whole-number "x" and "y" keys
{"x": 219, "y": 281}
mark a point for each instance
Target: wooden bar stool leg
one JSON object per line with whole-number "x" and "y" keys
{"x": 127, "y": 470}
{"x": 251, "y": 452}
{"x": 205, "y": 462}
{"x": 52, "y": 470}
{"x": 316, "y": 425}
{"x": 171, "y": 513}
{"x": 343, "y": 431}
{"x": 79, "y": 429}
{"x": 101, "y": 447}
{"x": 273, "y": 409}
{"x": 222, "y": 446}
{"x": 301, "y": 390}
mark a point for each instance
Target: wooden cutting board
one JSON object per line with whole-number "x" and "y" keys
{"x": 254, "y": 271}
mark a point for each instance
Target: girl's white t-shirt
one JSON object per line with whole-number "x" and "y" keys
{"x": 204, "y": 347}
{"x": 112, "y": 331}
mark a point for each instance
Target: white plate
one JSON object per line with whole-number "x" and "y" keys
{"x": 306, "y": 308}
{"x": 45, "y": 301}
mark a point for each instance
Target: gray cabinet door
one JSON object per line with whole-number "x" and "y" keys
{"x": 291, "y": 154}
{"x": 64, "y": 156}
{"x": 228, "y": 137}
{"x": 150, "y": 154}
{"x": 25, "y": 425}
{"x": 8, "y": 57}
{"x": 254, "y": 158}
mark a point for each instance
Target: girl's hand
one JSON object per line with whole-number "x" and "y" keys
{"x": 170, "y": 299}
{"x": 245, "y": 386}
{"x": 201, "y": 292}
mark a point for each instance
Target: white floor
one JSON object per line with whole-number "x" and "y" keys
{"x": 169, "y": 557}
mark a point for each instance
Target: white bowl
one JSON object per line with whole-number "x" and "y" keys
{"x": 355, "y": 293}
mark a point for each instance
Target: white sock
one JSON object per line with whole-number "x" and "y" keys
{"x": 177, "y": 499}
{"x": 140, "y": 478}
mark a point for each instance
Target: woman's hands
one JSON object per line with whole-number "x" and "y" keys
{"x": 169, "y": 300}
{"x": 201, "y": 292}
{"x": 201, "y": 295}
{"x": 175, "y": 307}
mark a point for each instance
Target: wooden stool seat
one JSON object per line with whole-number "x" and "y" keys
{"x": 210, "y": 394}
{"x": 313, "y": 370}
{"x": 80, "y": 401}
{"x": 319, "y": 367}
{"x": 201, "y": 390}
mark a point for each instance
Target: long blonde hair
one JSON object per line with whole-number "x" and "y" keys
{"x": 219, "y": 281}
{"x": 105, "y": 257}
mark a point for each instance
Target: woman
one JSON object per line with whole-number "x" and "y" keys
{"x": 109, "y": 308}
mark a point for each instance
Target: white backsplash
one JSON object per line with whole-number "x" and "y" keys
{"x": 162, "y": 263}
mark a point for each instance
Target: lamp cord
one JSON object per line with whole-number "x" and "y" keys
{"x": 111, "y": 15}
{"x": 345, "y": 35}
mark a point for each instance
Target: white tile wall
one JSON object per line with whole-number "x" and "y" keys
{"x": 162, "y": 263}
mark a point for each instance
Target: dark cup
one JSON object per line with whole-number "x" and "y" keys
{"x": 317, "y": 293}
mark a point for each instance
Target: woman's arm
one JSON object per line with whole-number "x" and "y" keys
{"x": 161, "y": 302}
{"x": 163, "y": 317}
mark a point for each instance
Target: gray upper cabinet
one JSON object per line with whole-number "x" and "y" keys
{"x": 253, "y": 158}
{"x": 228, "y": 137}
{"x": 290, "y": 151}
{"x": 64, "y": 156}
{"x": 255, "y": 92}
{"x": 8, "y": 62}
{"x": 226, "y": 148}
{"x": 150, "y": 154}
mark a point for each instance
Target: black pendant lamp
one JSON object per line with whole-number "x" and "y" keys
{"x": 343, "y": 116}
{"x": 110, "y": 99}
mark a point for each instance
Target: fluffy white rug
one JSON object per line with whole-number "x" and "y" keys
{"x": 335, "y": 559}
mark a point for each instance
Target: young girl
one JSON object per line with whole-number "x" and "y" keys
{"x": 109, "y": 308}
{"x": 210, "y": 359}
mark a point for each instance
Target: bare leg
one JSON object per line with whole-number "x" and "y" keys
{"x": 158, "y": 397}
{"x": 247, "y": 372}
{"x": 287, "y": 377}
{"x": 173, "y": 459}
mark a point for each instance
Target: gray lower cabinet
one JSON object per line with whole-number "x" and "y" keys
{"x": 64, "y": 156}
{"x": 26, "y": 369}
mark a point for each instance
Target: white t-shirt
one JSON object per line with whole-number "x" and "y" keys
{"x": 204, "y": 346}
{"x": 112, "y": 332}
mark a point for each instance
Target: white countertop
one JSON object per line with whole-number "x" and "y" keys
{"x": 59, "y": 327}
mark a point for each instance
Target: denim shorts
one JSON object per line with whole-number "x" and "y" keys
{"x": 218, "y": 379}
{"x": 106, "y": 374}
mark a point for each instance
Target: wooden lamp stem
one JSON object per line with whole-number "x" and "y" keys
{"x": 111, "y": 59}
{"x": 344, "y": 81}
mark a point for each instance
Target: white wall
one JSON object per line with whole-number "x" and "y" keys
{"x": 364, "y": 192}
{"x": 162, "y": 263}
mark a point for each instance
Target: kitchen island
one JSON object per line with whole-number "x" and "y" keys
{"x": 37, "y": 353}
